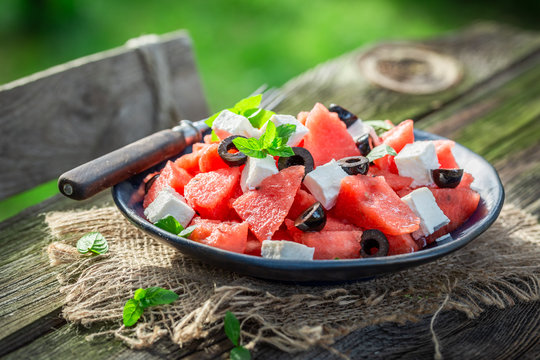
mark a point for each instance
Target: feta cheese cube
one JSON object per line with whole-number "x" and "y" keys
{"x": 229, "y": 123}
{"x": 169, "y": 202}
{"x": 256, "y": 170}
{"x": 324, "y": 183}
{"x": 298, "y": 134}
{"x": 423, "y": 204}
{"x": 416, "y": 160}
{"x": 286, "y": 250}
{"x": 444, "y": 239}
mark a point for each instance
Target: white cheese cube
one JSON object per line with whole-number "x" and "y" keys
{"x": 444, "y": 239}
{"x": 286, "y": 250}
{"x": 324, "y": 183}
{"x": 298, "y": 134}
{"x": 423, "y": 204}
{"x": 229, "y": 123}
{"x": 169, "y": 202}
{"x": 256, "y": 170}
{"x": 416, "y": 160}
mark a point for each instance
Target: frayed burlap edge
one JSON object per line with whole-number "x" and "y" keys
{"x": 498, "y": 268}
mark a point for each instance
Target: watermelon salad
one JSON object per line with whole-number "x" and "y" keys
{"x": 323, "y": 185}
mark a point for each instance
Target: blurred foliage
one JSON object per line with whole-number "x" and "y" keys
{"x": 239, "y": 44}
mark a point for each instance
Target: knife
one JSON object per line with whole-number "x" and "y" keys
{"x": 110, "y": 169}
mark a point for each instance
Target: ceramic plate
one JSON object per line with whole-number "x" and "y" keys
{"x": 486, "y": 182}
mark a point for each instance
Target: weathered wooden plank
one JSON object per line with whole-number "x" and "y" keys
{"x": 57, "y": 119}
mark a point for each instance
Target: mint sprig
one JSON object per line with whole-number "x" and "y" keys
{"x": 92, "y": 242}
{"x": 380, "y": 151}
{"x": 232, "y": 330}
{"x": 172, "y": 225}
{"x": 248, "y": 107}
{"x": 143, "y": 298}
{"x": 273, "y": 142}
{"x": 380, "y": 126}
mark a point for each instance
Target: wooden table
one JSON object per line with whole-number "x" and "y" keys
{"x": 494, "y": 108}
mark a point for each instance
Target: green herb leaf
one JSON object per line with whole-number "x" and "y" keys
{"x": 260, "y": 117}
{"x": 247, "y": 103}
{"x": 232, "y": 327}
{"x": 285, "y": 131}
{"x": 380, "y": 151}
{"x": 158, "y": 296}
{"x": 139, "y": 294}
{"x": 240, "y": 353}
{"x": 380, "y": 126}
{"x": 94, "y": 242}
{"x": 210, "y": 120}
{"x": 214, "y": 136}
{"x": 187, "y": 231}
{"x": 266, "y": 139}
{"x": 170, "y": 224}
{"x": 284, "y": 151}
{"x": 133, "y": 310}
{"x": 250, "y": 147}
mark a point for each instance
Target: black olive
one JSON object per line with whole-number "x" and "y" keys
{"x": 363, "y": 143}
{"x": 344, "y": 115}
{"x": 447, "y": 178}
{"x": 231, "y": 159}
{"x": 313, "y": 219}
{"x": 301, "y": 156}
{"x": 373, "y": 244}
{"x": 354, "y": 165}
{"x": 149, "y": 183}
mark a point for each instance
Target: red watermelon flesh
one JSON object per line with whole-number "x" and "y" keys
{"x": 466, "y": 180}
{"x": 445, "y": 155}
{"x": 302, "y": 200}
{"x": 208, "y": 193}
{"x": 328, "y": 137}
{"x": 265, "y": 208}
{"x": 333, "y": 224}
{"x": 395, "y": 181}
{"x": 224, "y": 235}
{"x": 330, "y": 245}
{"x": 370, "y": 203}
{"x": 302, "y": 117}
{"x": 457, "y": 204}
{"x": 210, "y": 159}
{"x": 189, "y": 162}
{"x": 401, "y": 244}
{"x": 171, "y": 175}
{"x": 396, "y": 138}
{"x": 253, "y": 246}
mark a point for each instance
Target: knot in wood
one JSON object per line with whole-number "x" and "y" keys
{"x": 410, "y": 69}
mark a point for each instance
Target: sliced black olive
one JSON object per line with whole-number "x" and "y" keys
{"x": 313, "y": 219}
{"x": 301, "y": 156}
{"x": 345, "y": 115}
{"x": 149, "y": 183}
{"x": 447, "y": 178}
{"x": 373, "y": 244}
{"x": 354, "y": 165}
{"x": 363, "y": 143}
{"x": 231, "y": 159}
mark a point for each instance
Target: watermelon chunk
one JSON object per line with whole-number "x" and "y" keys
{"x": 224, "y": 235}
{"x": 396, "y": 138}
{"x": 395, "y": 181}
{"x": 302, "y": 117}
{"x": 208, "y": 193}
{"x": 401, "y": 244}
{"x": 210, "y": 159}
{"x": 457, "y": 204}
{"x": 328, "y": 137}
{"x": 370, "y": 203}
{"x": 333, "y": 224}
{"x": 302, "y": 201}
{"x": 171, "y": 175}
{"x": 265, "y": 208}
{"x": 443, "y": 148}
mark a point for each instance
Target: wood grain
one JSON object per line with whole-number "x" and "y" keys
{"x": 57, "y": 119}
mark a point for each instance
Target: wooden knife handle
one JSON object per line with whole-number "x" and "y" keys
{"x": 88, "y": 179}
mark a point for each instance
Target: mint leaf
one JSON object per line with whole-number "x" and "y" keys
{"x": 232, "y": 327}
{"x": 139, "y": 294}
{"x": 285, "y": 131}
{"x": 380, "y": 151}
{"x": 260, "y": 117}
{"x": 170, "y": 224}
{"x": 187, "y": 231}
{"x": 266, "y": 139}
{"x": 158, "y": 296}
{"x": 214, "y": 136}
{"x": 132, "y": 312}
{"x": 284, "y": 151}
{"x": 380, "y": 126}
{"x": 247, "y": 103}
{"x": 250, "y": 147}
{"x": 240, "y": 353}
{"x": 94, "y": 242}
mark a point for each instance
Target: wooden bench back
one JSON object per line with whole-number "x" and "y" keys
{"x": 57, "y": 119}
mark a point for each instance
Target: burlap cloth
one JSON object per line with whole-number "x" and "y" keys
{"x": 497, "y": 268}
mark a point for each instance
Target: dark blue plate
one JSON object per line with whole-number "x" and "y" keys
{"x": 486, "y": 182}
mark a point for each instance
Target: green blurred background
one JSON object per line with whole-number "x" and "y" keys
{"x": 239, "y": 44}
